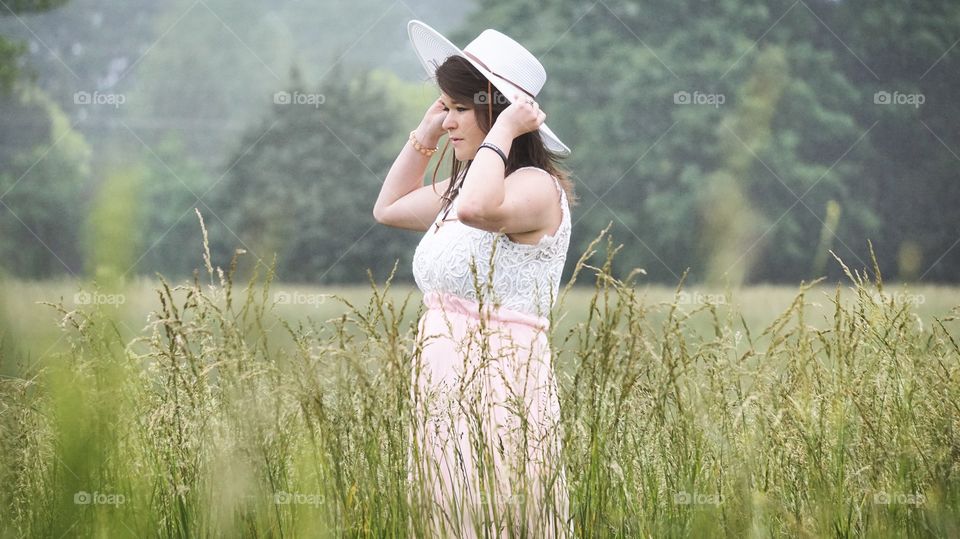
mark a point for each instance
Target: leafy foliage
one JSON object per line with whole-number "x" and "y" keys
{"x": 305, "y": 181}
{"x": 674, "y": 178}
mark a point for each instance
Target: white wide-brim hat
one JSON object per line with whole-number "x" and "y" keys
{"x": 504, "y": 62}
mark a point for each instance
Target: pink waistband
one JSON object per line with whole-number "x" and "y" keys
{"x": 452, "y": 303}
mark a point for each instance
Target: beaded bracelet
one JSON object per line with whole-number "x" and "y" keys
{"x": 420, "y": 147}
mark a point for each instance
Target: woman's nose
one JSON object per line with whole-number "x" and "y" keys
{"x": 448, "y": 122}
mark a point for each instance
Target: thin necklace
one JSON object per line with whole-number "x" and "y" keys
{"x": 456, "y": 191}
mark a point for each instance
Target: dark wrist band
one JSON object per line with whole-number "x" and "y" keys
{"x": 496, "y": 149}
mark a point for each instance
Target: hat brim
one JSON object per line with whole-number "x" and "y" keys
{"x": 433, "y": 49}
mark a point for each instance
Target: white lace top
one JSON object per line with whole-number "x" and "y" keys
{"x": 526, "y": 277}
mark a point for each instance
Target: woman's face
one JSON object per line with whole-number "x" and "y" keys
{"x": 462, "y": 128}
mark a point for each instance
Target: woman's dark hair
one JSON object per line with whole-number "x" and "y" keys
{"x": 464, "y": 83}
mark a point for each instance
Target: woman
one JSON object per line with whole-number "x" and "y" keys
{"x": 486, "y": 439}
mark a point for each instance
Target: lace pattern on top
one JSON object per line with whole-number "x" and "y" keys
{"x": 526, "y": 277}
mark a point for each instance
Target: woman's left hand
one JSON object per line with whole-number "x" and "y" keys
{"x": 522, "y": 115}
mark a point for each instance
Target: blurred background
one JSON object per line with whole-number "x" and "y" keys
{"x": 739, "y": 142}
{"x": 742, "y": 140}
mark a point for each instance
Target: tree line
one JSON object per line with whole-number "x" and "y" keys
{"x": 743, "y": 140}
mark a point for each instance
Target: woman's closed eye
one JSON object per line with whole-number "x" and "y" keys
{"x": 459, "y": 109}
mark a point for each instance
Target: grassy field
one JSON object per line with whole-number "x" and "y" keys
{"x": 35, "y": 325}
{"x": 281, "y": 411}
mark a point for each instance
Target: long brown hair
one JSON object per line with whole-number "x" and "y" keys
{"x": 463, "y": 82}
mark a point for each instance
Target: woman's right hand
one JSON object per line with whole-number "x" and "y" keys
{"x": 431, "y": 127}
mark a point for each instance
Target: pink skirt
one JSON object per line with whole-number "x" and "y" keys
{"x": 485, "y": 457}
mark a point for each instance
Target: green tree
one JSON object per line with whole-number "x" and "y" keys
{"x": 305, "y": 181}
{"x": 169, "y": 239}
{"x": 112, "y": 232}
{"x": 42, "y": 177}
{"x": 644, "y": 160}
{"x": 910, "y": 176}
{"x": 43, "y": 163}
{"x": 731, "y": 226}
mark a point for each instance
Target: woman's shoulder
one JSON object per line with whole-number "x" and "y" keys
{"x": 536, "y": 171}
{"x": 531, "y": 167}
{"x": 532, "y": 172}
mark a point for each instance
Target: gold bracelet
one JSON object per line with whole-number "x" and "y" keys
{"x": 420, "y": 147}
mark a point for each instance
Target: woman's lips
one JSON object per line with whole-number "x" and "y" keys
{"x": 455, "y": 140}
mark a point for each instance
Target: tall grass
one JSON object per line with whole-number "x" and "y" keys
{"x": 201, "y": 427}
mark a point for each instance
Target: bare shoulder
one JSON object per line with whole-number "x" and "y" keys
{"x": 529, "y": 208}
{"x": 531, "y": 172}
{"x": 534, "y": 196}
{"x": 533, "y": 180}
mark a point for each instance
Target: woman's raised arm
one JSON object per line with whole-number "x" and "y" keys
{"x": 404, "y": 202}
